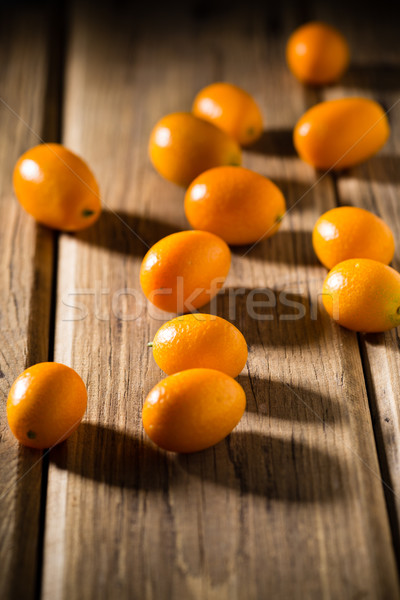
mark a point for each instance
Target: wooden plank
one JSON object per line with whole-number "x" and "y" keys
{"x": 291, "y": 505}
{"x": 375, "y": 185}
{"x": 26, "y": 256}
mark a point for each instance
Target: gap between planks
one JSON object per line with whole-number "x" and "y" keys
{"x": 52, "y": 132}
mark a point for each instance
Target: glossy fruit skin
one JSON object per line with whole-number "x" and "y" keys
{"x": 237, "y": 204}
{"x": 232, "y": 109}
{"x": 363, "y": 295}
{"x": 46, "y": 404}
{"x": 185, "y": 270}
{"x": 338, "y": 134}
{"x": 200, "y": 340}
{"x": 351, "y": 232}
{"x": 317, "y": 53}
{"x": 57, "y": 188}
{"x": 182, "y": 146}
{"x": 193, "y": 410}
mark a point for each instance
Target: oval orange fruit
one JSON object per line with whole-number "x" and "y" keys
{"x": 45, "y": 405}
{"x": 193, "y": 410}
{"x": 341, "y": 133}
{"x": 185, "y": 270}
{"x": 199, "y": 340}
{"x": 237, "y": 204}
{"x": 182, "y": 146}
{"x": 232, "y": 109}
{"x": 351, "y": 232}
{"x": 317, "y": 53}
{"x": 363, "y": 295}
{"x": 57, "y": 188}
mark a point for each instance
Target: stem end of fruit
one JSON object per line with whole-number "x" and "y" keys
{"x": 87, "y": 212}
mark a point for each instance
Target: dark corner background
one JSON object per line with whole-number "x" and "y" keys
{"x": 172, "y": 14}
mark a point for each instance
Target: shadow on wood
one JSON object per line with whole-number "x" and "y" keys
{"x": 269, "y": 466}
{"x": 380, "y": 339}
{"x": 270, "y": 317}
{"x": 126, "y": 233}
{"x": 379, "y": 76}
{"x": 279, "y": 400}
{"x": 384, "y": 168}
{"x": 112, "y": 457}
{"x": 298, "y": 194}
{"x": 286, "y": 246}
{"x": 274, "y": 142}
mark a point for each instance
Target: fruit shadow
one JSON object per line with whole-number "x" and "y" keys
{"x": 384, "y": 168}
{"x": 379, "y": 339}
{"x": 299, "y": 194}
{"x": 113, "y": 457}
{"x": 269, "y": 466}
{"x": 126, "y": 233}
{"x": 378, "y": 76}
{"x": 286, "y": 246}
{"x": 270, "y": 317}
{"x": 274, "y": 142}
{"x": 289, "y": 402}
{"x": 246, "y": 462}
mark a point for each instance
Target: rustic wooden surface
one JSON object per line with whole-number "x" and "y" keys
{"x": 376, "y": 186}
{"x": 302, "y": 500}
{"x": 26, "y": 259}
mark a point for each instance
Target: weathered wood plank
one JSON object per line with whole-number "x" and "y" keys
{"x": 26, "y": 256}
{"x": 375, "y": 185}
{"x": 291, "y": 505}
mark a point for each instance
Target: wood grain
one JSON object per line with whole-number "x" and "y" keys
{"x": 375, "y": 185}
{"x": 291, "y": 504}
{"x": 26, "y": 256}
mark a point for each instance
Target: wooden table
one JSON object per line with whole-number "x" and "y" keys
{"x": 302, "y": 500}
